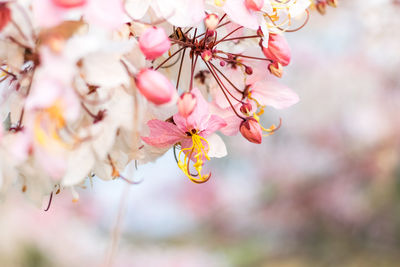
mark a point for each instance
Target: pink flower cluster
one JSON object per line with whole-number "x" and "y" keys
{"x": 88, "y": 86}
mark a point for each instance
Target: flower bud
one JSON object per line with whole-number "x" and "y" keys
{"x": 69, "y": 3}
{"x": 332, "y": 3}
{"x": 246, "y": 108}
{"x": 154, "y": 42}
{"x": 248, "y": 70}
{"x": 278, "y": 49}
{"x": 222, "y": 63}
{"x": 154, "y": 86}
{"x": 254, "y": 5}
{"x": 276, "y": 69}
{"x": 321, "y": 7}
{"x": 206, "y": 55}
{"x": 251, "y": 130}
{"x": 186, "y": 104}
{"x": 5, "y": 16}
{"x": 211, "y": 21}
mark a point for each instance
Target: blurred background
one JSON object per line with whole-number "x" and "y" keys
{"x": 323, "y": 191}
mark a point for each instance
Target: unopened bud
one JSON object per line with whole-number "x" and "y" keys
{"x": 332, "y": 3}
{"x": 154, "y": 42}
{"x": 210, "y": 33}
{"x": 186, "y": 104}
{"x": 206, "y": 55}
{"x": 278, "y": 49}
{"x": 246, "y": 108}
{"x": 276, "y": 69}
{"x": 69, "y": 3}
{"x": 321, "y": 7}
{"x": 154, "y": 86}
{"x": 251, "y": 130}
{"x": 211, "y": 21}
{"x": 254, "y": 5}
{"x": 5, "y": 15}
{"x": 222, "y": 63}
{"x": 248, "y": 70}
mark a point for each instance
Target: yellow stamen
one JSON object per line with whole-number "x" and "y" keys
{"x": 272, "y": 129}
{"x": 2, "y": 73}
{"x": 199, "y": 150}
{"x": 54, "y": 121}
{"x": 219, "y": 2}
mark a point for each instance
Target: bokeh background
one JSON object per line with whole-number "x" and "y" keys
{"x": 323, "y": 191}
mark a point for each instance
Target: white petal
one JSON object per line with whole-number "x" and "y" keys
{"x": 137, "y": 8}
{"x": 79, "y": 165}
{"x": 181, "y": 13}
{"x": 217, "y": 146}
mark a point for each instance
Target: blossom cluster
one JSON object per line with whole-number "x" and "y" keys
{"x": 88, "y": 86}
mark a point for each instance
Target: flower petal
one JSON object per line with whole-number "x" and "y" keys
{"x": 274, "y": 94}
{"x": 239, "y": 13}
{"x": 163, "y": 134}
{"x": 217, "y": 146}
{"x": 214, "y": 123}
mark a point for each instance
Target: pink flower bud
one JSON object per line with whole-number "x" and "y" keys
{"x": 321, "y": 7}
{"x": 248, "y": 70}
{"x": 278, "y": 49}
{"x": 332, "y": 3}
{"x": 69, "y": 3}
{"x": 254, "y": 5}
{"x": 211, "y": 21}
{"x": 186, "y": 104}
{"x": 206, "y": 55}
{"x": 154, "y": 42}
{"x": 155, "y": 86}
{"x": 246, "y": 108}
{"x": 251, "y": 130}
{"x": 276, "y": 69}
{"x": 5, "y": 16}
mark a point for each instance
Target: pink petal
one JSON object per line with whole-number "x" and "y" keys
{"x": 274, "y": 94}
{"x": 163, "y": 134}
{"x": 46, "y": 14}
{"x": 214, "y": 123}
{"x": 106, "y": 13}
{"x": 182, "y": 13}
{"x": 238, "y": 12}
{"x": 232, "y": 125}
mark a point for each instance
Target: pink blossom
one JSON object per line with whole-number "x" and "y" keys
{"x": 154, "y": 42}
{"x": 155, "y": 86}
{"x": 191, "y": 133}
{"x": 201, "y": 122}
